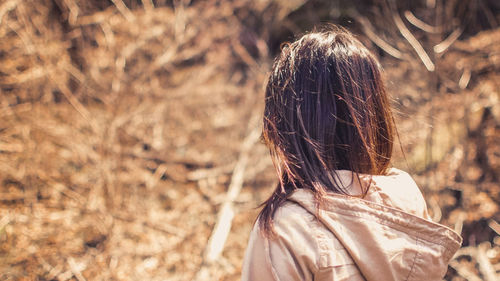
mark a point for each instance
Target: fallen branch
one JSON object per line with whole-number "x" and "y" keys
{"x": 226, "y": 213}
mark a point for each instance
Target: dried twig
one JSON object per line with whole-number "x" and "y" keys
{"x": 73, "y": 101}
{"x": 148, "y": 5}
{"x": 484, "y": 262}
{"x": 421, "y": 24}
{"x": 464, "y": 271}
{"x": 495, "y": 226}
{"x": 122, "y": 8}
{"x": 129, "y": 50}
{"x": 97, "y": 17}
{"x": 5, "y": 220}
{"x": 76, "y": 269}
{"x": 368, "y": 30}
{"x": 459, "y": 224}
{"x": 7, "y": 7}
{"x": 464, "y": 79}
{"x": 74, "y": 10}
{"x": 436, "y": 210}
{"x": 244, "y": 55}
{"x": 11, "y": 147}
{"x": 489, "y": 14}
{"x": 155, "y": 178}
{"x": 413, "y": 41}
{"x": 165, "y": 228}
{"x": 446, "y": 43}
{"x": 479, "y": 254}
{"x": 52, "y": 271}
{"x": 208, "y": 173}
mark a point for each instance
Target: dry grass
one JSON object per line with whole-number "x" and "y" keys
{"x": 121, "y": 124}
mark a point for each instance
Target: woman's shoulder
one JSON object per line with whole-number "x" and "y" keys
{"x": 293, "y": 224}
{"x": 301, "y": 232}
{"x": 292, "y": 253}
{"x": 303, "y": 248}
{"x": 399, "y": 190}
{"x": 291, "y": 214}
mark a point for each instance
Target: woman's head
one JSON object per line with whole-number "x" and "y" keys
{"x": 326, "y": 109}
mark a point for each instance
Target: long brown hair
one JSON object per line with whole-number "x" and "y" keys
{"x": 326, "y": 109}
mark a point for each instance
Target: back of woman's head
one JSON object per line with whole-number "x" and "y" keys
{"x": 326, "y": 109}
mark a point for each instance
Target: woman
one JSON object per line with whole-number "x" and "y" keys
{"x": 339, "y": 212}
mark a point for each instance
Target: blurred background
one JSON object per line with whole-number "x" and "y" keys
{"x": 129, "y": 129}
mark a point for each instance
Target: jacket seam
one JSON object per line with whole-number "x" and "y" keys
{"x": 315, "y": 228}
{"x": 318, "y": 240}
{"x": 414, "y": 259}
{"x": 269, "y": 261}
{"x": 322, "y": 239}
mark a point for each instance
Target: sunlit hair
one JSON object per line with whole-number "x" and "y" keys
{"x": 326, "y": 109}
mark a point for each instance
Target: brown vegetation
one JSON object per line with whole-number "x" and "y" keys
{"x": 128, "y": 128}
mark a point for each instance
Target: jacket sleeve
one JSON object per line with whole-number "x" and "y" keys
{"x": 257, "y": 264}
{"x": 291, "y": 255}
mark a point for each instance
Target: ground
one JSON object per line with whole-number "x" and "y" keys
{"x": 123, "y": 126}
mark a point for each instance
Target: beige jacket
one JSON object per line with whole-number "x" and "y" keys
{"x": 385, "y": 236}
